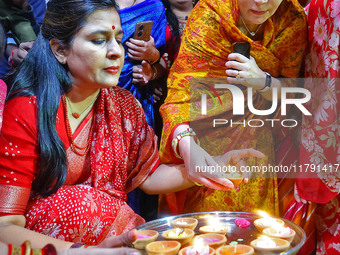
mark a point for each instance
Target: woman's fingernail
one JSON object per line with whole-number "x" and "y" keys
{"x": 134, "y": 253}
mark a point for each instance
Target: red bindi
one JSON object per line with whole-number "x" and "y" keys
{"x": 113, "y": 27}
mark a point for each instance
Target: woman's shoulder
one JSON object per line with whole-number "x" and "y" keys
{"x": 22, "y": 106}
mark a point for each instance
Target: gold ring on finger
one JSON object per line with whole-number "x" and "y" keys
{"x": 238, "y": 76}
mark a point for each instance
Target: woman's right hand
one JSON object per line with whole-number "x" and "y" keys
{"x": 297, "y": 196}
{"x": 107, "y": 246}
{"x": 99, "y": 251}
{"x": 201, "y": 160}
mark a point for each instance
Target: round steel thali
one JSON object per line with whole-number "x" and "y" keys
{"x": 235, "y": 233}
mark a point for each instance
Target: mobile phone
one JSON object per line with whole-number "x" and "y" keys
{"x": 143, "y": 30}
{"x": 244, "y": 49}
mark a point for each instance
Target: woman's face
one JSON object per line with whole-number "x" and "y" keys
{"x": 257, "y": 11}
{"x": 96, "y": 55}
{"x": 179, "y": 4}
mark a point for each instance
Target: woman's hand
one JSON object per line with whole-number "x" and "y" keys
{"x": 117, "y": 241}
{"x": 157, "y": 94}
{"x": 236, "y": 158}
{"x": 196, "y": 161}
{"x": 107, "y": 246}
{"x": 247, "y": 71}
{"x": 142, "y": 50}
{"x": 297, "y": 196}
{"x": 20, "y": 53}
{"x": 142, "y": 74}
{"x": 99, "y": 251}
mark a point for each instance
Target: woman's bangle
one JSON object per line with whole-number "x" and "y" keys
{"x": 26, "y": 248}
{"x": 154, "y": 72}
{"x": 157, "y": 60}
{"x": 79, "y": 245}
{"x": 175, "y": 141}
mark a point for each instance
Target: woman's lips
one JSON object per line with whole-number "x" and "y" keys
{"x": 258, "y": 12}
{"x": 112, "y": 69}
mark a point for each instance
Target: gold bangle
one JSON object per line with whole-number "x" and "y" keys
{"x": 198, "y": 184}
{"x": 188, "y": 132}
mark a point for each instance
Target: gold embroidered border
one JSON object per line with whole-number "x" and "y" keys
{"x": 13, "y": 199}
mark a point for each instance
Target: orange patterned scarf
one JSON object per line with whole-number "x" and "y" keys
{"x": 210, "y": 31}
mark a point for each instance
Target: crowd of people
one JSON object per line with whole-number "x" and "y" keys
{"x": 95, "y": 124}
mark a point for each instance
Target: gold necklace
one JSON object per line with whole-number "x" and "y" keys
{"x": 251, "y": 33}
{"x": 76, "y": 115}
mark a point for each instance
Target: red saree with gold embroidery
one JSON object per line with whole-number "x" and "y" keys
{"x": 210, "y": 31}
{"x": 91, "y": 204}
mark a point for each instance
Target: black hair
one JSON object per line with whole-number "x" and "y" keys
{"x": 172, "y": 21}
{"x": 41, "y": 75}
{"x": 2, "y": 40}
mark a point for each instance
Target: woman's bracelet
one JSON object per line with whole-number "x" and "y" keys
{"x": 175, "y": 141}
{"x": 154, "y": 72}
{"x": 157, "y": 60}
{"x": 79, "y": 245}
{"x": 26, "y": 248}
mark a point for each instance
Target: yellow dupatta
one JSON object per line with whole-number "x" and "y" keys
{"x": 210, "y": 31}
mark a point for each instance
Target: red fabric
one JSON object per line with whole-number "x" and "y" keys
{"x": 320, "y": 132}
{"x": 287, "y": 154}
{"x": 91, "y": 205}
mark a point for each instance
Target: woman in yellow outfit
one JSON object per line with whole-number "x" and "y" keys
{"x": 276, "y": 31}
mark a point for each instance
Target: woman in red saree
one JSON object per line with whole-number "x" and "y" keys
{"x": 276, "y": 31}
{"x": 72, "y": 143}
{"x": 320, "y": 148}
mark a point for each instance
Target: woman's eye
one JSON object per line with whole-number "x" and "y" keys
{"x": 98, "y": 41}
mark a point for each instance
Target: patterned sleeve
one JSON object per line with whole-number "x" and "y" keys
{"x": 143, "y": 154}
{"x": 18, "y": 154}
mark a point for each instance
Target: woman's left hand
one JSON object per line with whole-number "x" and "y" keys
{"x": 236, "y": 158}
{"x": 143, "y": 50}
{"x": 125, "y": 239}
{"x": 247, "y": 72}
{"x": 142, "y": 74}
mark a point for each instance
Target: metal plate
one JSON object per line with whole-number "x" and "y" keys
{"x": 227, "y": 219}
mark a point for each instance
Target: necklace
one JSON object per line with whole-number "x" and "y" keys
{"x": 251, "y": 33}
{"x": 76, "y": 115}
{"x": 81, "y": 151}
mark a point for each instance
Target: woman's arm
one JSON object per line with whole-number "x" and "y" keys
{"x": 14, "y": 234}
{"x": 167, "y": 179}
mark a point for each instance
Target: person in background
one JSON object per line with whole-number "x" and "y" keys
{"x": 177, "y": 13}
{"x": 276, "y": 31}
{"x": 3, "y": 87}
{"x": 22, "y": 19}
{"x": 138, "y": 53}
{"x": 320, "y": 142}
{"x": 140, "y": 67}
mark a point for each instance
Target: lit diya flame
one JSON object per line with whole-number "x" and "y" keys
{"x": 265, "y": 242}
{"x": 266, "y": 220}
{"x": 215, "y": 225}
{"x": 199, "y": 247}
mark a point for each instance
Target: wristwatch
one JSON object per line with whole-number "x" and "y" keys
{"x": 268, "y": 84}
